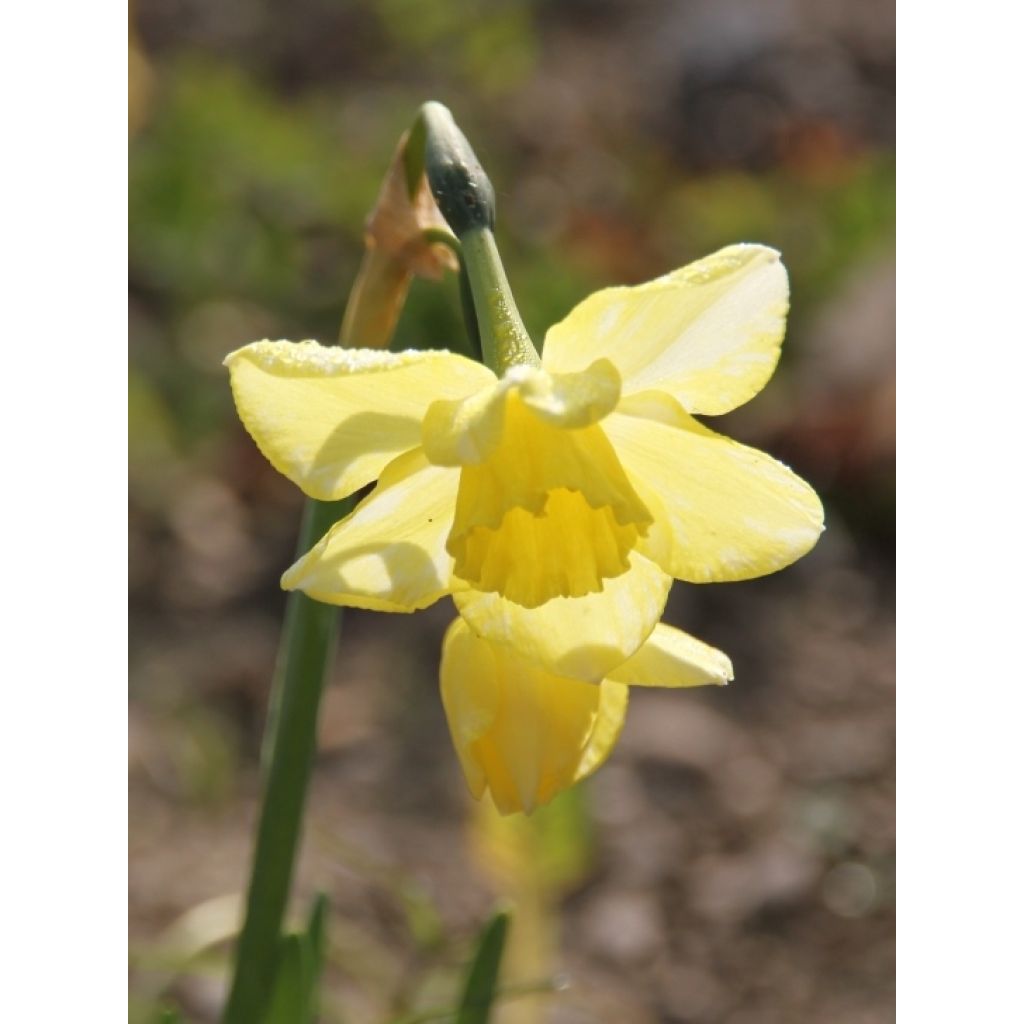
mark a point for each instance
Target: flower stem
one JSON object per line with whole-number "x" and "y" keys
{"x": 503, "y": 337}
{"x": 307, "y": 648}
{"x": 465, "y": 197}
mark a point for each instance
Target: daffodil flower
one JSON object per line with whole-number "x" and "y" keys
{"x": 556, "y": 503}
{"x": 524, "y": 733}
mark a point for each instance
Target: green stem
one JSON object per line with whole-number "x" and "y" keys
{"x": 469, "y": 314}
{"x": 307, "y": 648}
{"x": 465, "y": 291}
{"x": 465, "y": 197}
{"x": 503, "y": 337}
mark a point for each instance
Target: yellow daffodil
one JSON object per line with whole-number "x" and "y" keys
{"x": 525, "y": 734}
{"x": 557, "y": 502}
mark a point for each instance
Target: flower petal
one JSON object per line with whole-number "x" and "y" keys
{"x": 581, "y": 637}
{"x": 470, "y": 695}
{"x": 708, "y": 334}
{"x": 520, "y": 731}
{"x": 671, "y": 657}
{"x": 734, "y": 512}
{"x": 611, "y": 717}
{"x": 388, "y": 554}
{"x": 330, "y": 419}
{"x": 466, "y": 431}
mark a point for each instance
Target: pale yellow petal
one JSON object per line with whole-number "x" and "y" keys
{"x": 671, "y": 657}
{"x": 330, "y": 419}
{"x": 734, "y": 512}
{"x": 521, "y": 732}
{"x": 469, "y": 693}
{"x": 466, "y": 431}
{"x": 389, "y": 554}
{"x": 611, "y": 717}
{"x": 708, "y": 334}
{"x": 580, "y": 637}
{"x": 571, "y": 400}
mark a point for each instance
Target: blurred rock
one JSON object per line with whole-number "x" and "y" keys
{"x": 749, "y": 785}
{"x": 623, "y": 926}
{"x": 667, "y": 726}
{"x": 847, "y": 747}
{"x": 850, "y": 890}
{"x": 730, "y": 888}
{"x": 692, "y": 993}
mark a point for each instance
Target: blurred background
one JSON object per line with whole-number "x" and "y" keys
{"x": 733, "y": 862}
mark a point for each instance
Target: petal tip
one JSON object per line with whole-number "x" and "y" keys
{"x": 292, "y": 577}
{"x": 755, "y": 248}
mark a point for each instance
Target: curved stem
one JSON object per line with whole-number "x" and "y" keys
{"x": 503, "y": 337}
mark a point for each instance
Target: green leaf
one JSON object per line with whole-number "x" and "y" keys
{"x": 482, "y": 979}
{"x": 316, "y": 940}
{"x": 289, "y": 1002}
{"x": 295, "y": 998}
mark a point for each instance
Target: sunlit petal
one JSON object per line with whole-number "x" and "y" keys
{"x": 471, "y": 695}
{"x": 389, "y": 554}
{"x": 581, "y": 637}
{"x": 671, "y": 657}
{"x": 330, "y": 419}
{"x": 466, "y": 431}
{"x": 611, "y": 717}
{"x": 734, "y": 512}
{"x": 708, "y": 334}
{"x": 521, "y": 732}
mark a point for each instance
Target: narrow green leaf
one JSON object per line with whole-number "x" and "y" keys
{"x": 295, "y": 998}
{"x": 482, "y": 979}
{"x": 289, "y": 1002}
{"x": 316, "y": 931}
{"x": 316, "y": 946}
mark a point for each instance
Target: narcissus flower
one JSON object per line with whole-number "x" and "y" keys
{"x": 554, "y": 504}
{"x": 525, "y": 734}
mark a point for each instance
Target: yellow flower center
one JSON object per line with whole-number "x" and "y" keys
{"x": 549, "y": 513}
